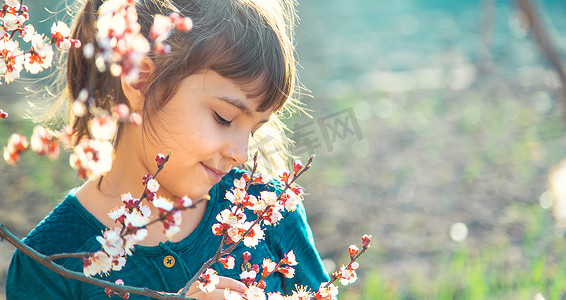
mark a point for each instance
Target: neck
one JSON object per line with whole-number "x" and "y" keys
{"x": 100, "y": 196}
{"x": 129, "y": 166}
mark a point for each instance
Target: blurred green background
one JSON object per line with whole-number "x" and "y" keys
{"x": 435, "y": 124}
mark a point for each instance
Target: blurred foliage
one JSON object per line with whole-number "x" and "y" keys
{"x": 34, "y": 186}
{"x": 491, "y": 273}
{"x": 485, "y": 145}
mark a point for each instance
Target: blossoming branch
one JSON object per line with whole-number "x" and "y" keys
{"x": 119, "y": 48}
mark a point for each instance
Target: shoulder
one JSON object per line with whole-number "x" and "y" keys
{"x": 65, "y": 229}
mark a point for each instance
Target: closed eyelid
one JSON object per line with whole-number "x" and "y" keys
{"x": 236, "y": 103}
{"x": 221, "y": 120}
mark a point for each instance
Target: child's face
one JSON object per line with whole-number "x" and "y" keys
{"x": 207, "y": 126}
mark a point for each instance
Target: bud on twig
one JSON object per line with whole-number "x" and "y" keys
{"x": 160, "y": 159}
{"x": 366, "y": 239}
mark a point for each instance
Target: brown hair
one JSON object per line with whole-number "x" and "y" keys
{"x": 247, "y": 41}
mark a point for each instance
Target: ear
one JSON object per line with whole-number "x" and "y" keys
{"x": 134, "y": 89}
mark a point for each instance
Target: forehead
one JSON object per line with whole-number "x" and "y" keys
{"x": 245, "y": 95}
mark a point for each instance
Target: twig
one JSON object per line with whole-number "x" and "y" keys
{"x": 205, "y": 266}
{"x": 163, "y": 217}
{"x": 159, "y": 168}
{"x": 543, "y": 41}
{"x": 253, "y": 171}
{"x": 80, "y": 255}
{"x": 352, "y": 260}
{"x": 44, "y": 260}
{"x": 21, "y": 6}
{"x": 229, "y": 250}
{"x": 144, "y": 194}
{"x": 259, "y": 218}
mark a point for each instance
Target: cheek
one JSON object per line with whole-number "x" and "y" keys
{"x": 191, "y": 138}
{"x": 189, "y": 130}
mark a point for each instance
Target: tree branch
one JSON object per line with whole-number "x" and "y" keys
{"x": 229, "y": 250}
{"x": 162, "y": 217}
{"x": 543, "y": 40}
{"x": 80, "y": 255}
{"x": 5, "y": 234}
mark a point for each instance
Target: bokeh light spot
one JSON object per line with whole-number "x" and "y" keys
{"x": 459, "y": 231}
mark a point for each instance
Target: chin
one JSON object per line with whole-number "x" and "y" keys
{"x": 200, "y": 191}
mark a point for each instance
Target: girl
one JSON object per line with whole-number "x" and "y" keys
{"x": 223, "y": 83}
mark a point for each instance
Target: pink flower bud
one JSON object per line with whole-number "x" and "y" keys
{"x": 160, "y": 159}
{"x": 353, "y": 250}
{"x": 3, "y": 114}
{"x": 246, "y": 176}
{"x": 121, "y": 111}
{"x": 174, "y": 17}
{"x": 76, "y": 43}
{"x": 284, "y": 175}
{"x": 261, "y": 284}
{"x": 297, "y": 166}
{"x": 246, "y": 256}
{"x": 184, "y": 24}
{"x": 150, "y": 197}
{"x": 161, "y": 48}
{"x": 87, "y": 262}
{"x": 135, "y": 119}
{"x": 365, "y": 240}
{"x": 354, "y": 266}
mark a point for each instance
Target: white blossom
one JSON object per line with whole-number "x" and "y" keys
{"x": 112, "y": 242}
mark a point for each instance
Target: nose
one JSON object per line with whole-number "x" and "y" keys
{"x": 236, "y": 150}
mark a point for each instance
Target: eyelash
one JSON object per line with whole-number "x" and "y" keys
{"x": 225, "y": 122}
{"x": 221, "y": 120}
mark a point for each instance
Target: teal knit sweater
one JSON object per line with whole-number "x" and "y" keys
{"x": 71, "y": 228}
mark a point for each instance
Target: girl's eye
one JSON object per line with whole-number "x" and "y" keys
{"x": 221, "y": 120}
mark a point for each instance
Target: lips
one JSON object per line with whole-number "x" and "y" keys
{"x": 213, "y": 173}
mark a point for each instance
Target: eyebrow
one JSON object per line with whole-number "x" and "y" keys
{"x": 239, "y": 104}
